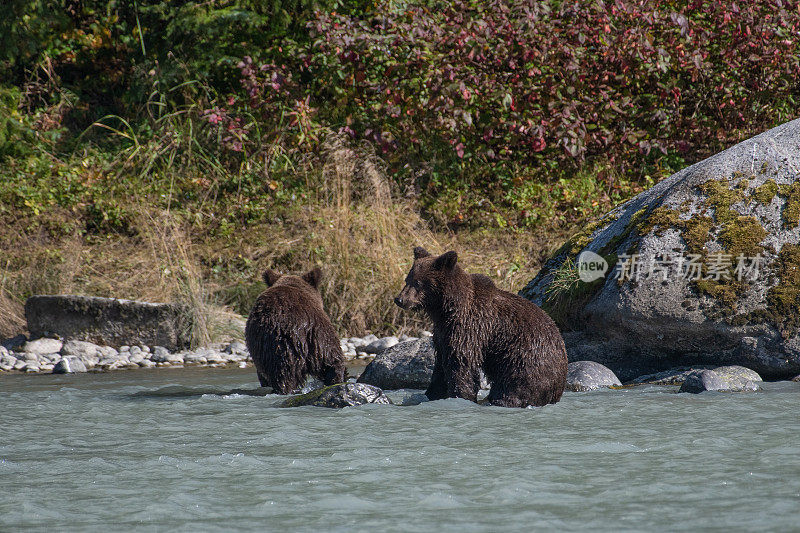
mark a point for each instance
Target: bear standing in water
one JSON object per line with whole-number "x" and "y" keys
{"x": 478, "y": 326}
{"x": 290, "y": 336}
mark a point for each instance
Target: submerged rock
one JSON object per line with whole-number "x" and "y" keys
{"x": 725, "y": 378}
{"x": 338, "y": 396}
{"x": 588, "y": 375}
{"x": 701, "y": 269}
{"x": 68, "y": 365}
{"x": 673, "y": 376}
{"x": 408, "y": 365}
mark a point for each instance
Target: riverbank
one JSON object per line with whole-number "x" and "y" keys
{"x": 49, "y": 355}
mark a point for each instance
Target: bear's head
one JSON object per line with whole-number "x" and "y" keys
{"x": 427, "y": 280}
{"x": 308, "y": 282}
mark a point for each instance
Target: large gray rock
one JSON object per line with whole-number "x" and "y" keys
{"x": 408, "y": 365}
{"x": 109, "y": 321}
{"x": 741, "y": 203}
{"x": 589, "y": 375}
{"x": 725, "y": 378}
{"x": 338, "y": 396}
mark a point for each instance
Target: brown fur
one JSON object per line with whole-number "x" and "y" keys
{"x": 478, "y": 326}
{"x": 290, "y": 336}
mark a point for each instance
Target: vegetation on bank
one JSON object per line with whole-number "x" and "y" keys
{"x": 162, "y": 151}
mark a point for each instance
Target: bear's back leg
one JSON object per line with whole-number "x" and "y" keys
{"x": 527, "y": 373}
{"x": 281, "y": 364}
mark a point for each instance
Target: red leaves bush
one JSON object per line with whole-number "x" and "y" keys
{"x": 545, "y": 84}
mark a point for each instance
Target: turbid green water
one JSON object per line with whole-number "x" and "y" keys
{"x": 176, "y": 450}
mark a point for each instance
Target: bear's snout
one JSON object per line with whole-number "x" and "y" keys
{"x": 399, "y": 301}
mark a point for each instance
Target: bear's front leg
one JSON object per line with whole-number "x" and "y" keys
{"x": 437, "y": 390}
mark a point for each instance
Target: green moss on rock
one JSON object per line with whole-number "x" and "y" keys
{"x": 660, "y": 219}
{"x": 726, "y": 292}
{"x": 743, "y": 235}
{"x": 791, "y": 211}
{"x": 721, "y": 197}
{"x": 783, "y": 300}
{"x": 766, "y": 192}
{"x": 697, "y": 232}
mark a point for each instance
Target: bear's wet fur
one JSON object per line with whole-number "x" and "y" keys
{"x": 290, "y": 336}
{"x": 479, "y": 326}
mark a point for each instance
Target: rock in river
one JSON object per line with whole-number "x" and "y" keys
{"x": 338, "y": 396}
{"x": 725, "y": 378}
{"x": 588, "y": 375}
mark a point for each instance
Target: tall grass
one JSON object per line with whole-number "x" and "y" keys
{"x": 181, "y": 279}
{"x": 362, "y": 235}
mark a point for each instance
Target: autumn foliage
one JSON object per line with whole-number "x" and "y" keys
{"x": 541, "y": 85}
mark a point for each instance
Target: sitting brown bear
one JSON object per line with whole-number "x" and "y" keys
{"x": 290, "y": 336}
{"x": 478, "y": 326}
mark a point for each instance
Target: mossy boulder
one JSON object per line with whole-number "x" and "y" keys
{"x": 338, "y": 396}
{"x": 704, "y": 269}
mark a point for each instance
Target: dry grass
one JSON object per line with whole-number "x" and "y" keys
{"x": 12, "y": 318}
{"x": 181, "y": 279}
{"x": 355, "y": 227}
{"x": 363, "y": 237}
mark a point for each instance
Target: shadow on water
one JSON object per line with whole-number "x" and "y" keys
{"x": 173, "y": 392}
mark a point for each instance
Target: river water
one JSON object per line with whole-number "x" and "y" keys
{"x": 197, "y": 450}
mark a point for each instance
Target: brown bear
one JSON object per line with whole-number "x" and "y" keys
{"x": 478, "y": 326}
{"x": 290, "y": 336}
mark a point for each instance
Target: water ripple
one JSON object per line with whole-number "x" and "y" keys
{"x": 188, "y": 451}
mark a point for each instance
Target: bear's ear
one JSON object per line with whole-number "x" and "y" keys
{"x": 313, "y": 277}
{"x": 270, "y": 277}
{"x": 420, "y": 252}
{"x": 446, "y": 261}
